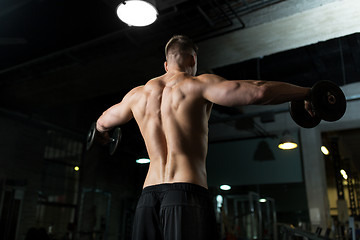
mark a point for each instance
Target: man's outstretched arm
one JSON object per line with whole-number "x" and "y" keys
{"x": 116, "y": 115}
{"x": 245, "y": 92}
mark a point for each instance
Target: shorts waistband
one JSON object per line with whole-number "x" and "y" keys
{"x": 191, "y": 187}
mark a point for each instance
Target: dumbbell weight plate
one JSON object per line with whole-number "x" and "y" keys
{"x": 115, "y": 140}
{"x": 328, "y": 101}
{"x": 90, "y": 137}
{"x": 301, "y": 116}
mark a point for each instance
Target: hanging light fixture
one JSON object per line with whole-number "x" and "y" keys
{"x": 287, "y": 142}
{"x": 143, "y": 160}
{"x": 225, "y": 187}
{"x": 263, "y": 152}
{"x": 137, "y": 13}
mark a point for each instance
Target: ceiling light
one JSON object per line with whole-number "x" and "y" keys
{"x": 143, "y": 160}
{"x": 76, "y": 168}
{"x": 225, "y": 187}
{"x": 324, "y": 150}
{"x": 287, "y": 142}
{"x": 262, "y": 200}
{"x": 287, "y": 145}
{"x": 219, "y": 199}
{"x": 137, "y": 12}
{"x": 343, "y": 173}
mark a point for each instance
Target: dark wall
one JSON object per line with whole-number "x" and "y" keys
{"x": 21, "y": 157}
{"x": 32, "y": 180}
{"x": 244, "y": 163}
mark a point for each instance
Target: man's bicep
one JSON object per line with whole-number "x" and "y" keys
{"x": 233, "y": 93}
{"x": 220, "y": 93}
{"x": 211, "y": 89}
{"x": 217, "y": 89}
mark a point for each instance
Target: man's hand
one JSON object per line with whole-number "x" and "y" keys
{"x": 102, "y": 137}
{"x": 309, "y": 108}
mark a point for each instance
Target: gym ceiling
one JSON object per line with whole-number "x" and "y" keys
{"x": 65, "y": 61}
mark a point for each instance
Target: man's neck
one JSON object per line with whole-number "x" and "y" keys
{"x": 177, "y": 69}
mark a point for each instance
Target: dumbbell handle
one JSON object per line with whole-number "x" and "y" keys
{"x": 102, "y": 138}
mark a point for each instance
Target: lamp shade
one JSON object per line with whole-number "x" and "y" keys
{"x": 137, "y": 12}
{"x": 263, "y": 152}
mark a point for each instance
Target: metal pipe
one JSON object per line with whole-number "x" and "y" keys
{"x": 223, "y": 12}
{"x": 26, "y": 117}
{"x": 248, "y": 115}
{"x": 273, "y": 136}
{"x": 14, "y": 7}
{"x": 234, "y": 12}
{"x": 208, "y": 20}
{"x": 342, "y": 62}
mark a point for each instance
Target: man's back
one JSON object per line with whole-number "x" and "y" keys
{"x": 172, "y": 112}
{"x": 173, "y": 120}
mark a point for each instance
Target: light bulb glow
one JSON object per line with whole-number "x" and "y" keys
{"x": 287, "y": 145}
{"x": 143, "y": 160}
{"x": 324, "y": 150}
{"x": 76, "y": 168}
{"x": 137, "y": 13}
{"x": 225, "y": 187}
{"x": 219, "y": 199}
{"x": 262, "y": 200}
{"x": 344, "y": 174}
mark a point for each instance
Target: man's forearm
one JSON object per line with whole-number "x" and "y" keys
{"x": 280, "y": 92}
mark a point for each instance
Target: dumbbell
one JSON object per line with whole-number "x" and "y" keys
{"x": 113, "y": 141}
{"x": 327, "y": 101}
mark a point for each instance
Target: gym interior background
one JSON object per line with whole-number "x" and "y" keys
{"x": 62, "y": 63}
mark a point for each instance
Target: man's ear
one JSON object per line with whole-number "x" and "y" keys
{"x": 193, "y": 60}
{"x": 166, "y": 66}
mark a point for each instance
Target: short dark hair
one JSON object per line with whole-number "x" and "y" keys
{"x": 181, "y": 44}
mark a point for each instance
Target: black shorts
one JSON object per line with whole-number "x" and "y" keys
{"x": 175, "y": 211}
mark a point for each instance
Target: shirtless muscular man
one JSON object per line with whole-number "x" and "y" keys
{"x": 172, "y": 112}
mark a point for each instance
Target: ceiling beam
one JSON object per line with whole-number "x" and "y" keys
{"x": 328, "y": 21}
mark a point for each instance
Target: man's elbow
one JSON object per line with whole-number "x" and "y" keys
{"x": 101, "y": 125}
{"x": 261, "y": 95}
